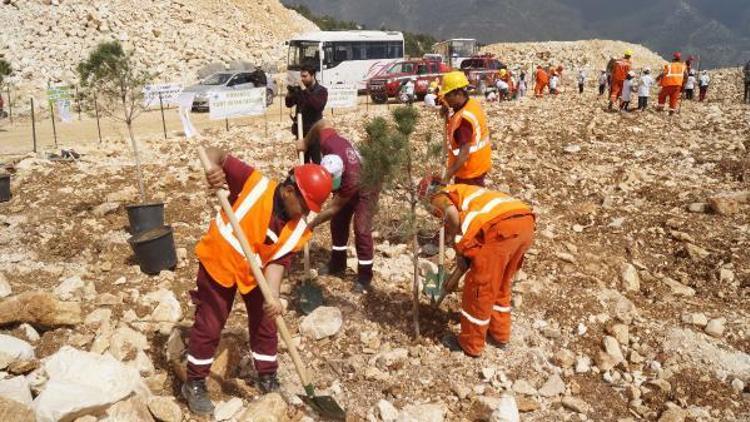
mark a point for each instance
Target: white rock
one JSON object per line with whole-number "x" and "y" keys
{"x": 167, "y": 309}
{"x": 630, "y": 280}
{"x": 583, "y": 365}
{"x": 15, "y": 348}
{"x": 323, "y": 322}
{"x": 125, "y": 343}
{"x": 268, "y": 408}
{"x": 30, "y": 332}
{"x": 698, "y": 319}
{"x": 422, "y": 413}
{"x": 98, "y": 317}
{"x": 5, "y": 289}
{"x": 612, "y": 347}
{"x": 226, "y": 410}
{"x": 506, "y": 410}
{"x": 105, "y": 208}
{"x": 70, "y": 288}
{"x": 524, "y": 387}
{"x": 715, "y": 327}
{"x": 165, "y": 409}
{"x": 391, "y": 357}
{"x": 387, "y": 411}
{"x": 553, "y": 387}
{"x": 738, "y": 385}
{"x": 678, "y": 288}
{"x": 96, "y": 382}
{"x": 16, "y": 388}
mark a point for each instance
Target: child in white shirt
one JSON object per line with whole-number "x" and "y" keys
{"x": 553, "y": 84}
{"x": 690, "y": 85}
{"x": 703, "y": 83}
{"x": 627, "y": 92}
{"x": 644, "y": 89}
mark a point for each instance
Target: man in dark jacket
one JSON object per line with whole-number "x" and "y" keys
{"x": 310, "y": 99}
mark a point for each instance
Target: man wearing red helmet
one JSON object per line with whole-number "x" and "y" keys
{"x": 671, "y": 79}
{"x": 271, "y": 216}
{"x": 492, "y": 231}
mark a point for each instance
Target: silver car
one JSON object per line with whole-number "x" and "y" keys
{"x": 229, "y": 80}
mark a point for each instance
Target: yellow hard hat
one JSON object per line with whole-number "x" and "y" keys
{"x": 628, "y": 52}
{"x": 453, "y": 81}
{"x": 503, "y": 72}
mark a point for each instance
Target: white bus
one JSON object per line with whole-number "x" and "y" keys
{"x": 456, "y": 50}
{"x": 343, "y": 57}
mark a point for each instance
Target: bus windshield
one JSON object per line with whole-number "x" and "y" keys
{"x": 463, "y": 48}
{"x": 303, "y": 53}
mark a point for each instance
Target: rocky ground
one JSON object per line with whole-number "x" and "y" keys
{"x": 172, "y": 38}
{"x": 632, "y": 305}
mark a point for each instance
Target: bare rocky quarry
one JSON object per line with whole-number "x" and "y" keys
{"x": 633, "y": 303}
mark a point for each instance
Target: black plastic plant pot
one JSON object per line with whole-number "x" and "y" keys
{"x": 4, "y": 187}
{"x": 143, "y": 217}
{"x": 154, "y": 249}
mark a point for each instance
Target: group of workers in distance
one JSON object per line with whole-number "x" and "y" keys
{"x": 489, "y": 230}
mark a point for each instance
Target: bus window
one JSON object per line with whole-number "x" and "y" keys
{"x": 377, "y": 50}
{"x": 341, "y": 53}
{"x": 359, "y": 51}
{"x": 303, "y": 53}
{"x": 395, "y": 50}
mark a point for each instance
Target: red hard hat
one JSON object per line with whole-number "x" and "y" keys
{"x": 315, "y": 184}
{"x": 677, "y": 55}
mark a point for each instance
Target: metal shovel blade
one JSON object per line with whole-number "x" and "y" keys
{"x": 309, "y": 296}
{"x": 433, "y": 285}
{"x": 325, "y": 406}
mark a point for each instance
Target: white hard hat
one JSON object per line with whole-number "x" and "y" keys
{"x": 334, "y": 165}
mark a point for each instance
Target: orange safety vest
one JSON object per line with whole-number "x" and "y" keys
{"x": 477, "y": 206}
{"x": 542, "y": 78}
{"x": 673, "y": 75}
{"x": 620, "y": 70}
{"x": 219, "y": 250}
{"x": 480, "y": 151}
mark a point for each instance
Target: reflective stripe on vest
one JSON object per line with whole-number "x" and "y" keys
{"x": 294, "y": 238}
{"x": 226, "y": 230}
{"x": 472, "y": 197}
{"x": 485, "y": 209}
{"x": 479, "y": 142}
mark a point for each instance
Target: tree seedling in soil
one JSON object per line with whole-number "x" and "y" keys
{"x": 393, "y": 164}
{"x": 110, "y": 73}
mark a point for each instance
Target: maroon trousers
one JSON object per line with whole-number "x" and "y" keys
{"x": 361, "y": 207}
{"x": 213, "y": 302}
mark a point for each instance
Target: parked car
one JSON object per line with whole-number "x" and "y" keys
{"x": 222, "y": 81}
{"x": 482, "y": 71}
{"x": 388, "y": 81}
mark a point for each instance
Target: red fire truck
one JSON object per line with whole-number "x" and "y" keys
{"x": 388, "y": 81}
{"x": 482, "y": 71}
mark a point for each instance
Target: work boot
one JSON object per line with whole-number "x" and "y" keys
{"x": 498, "y": 344}
{"x": 268, "y": 383}
{"x": 196, "y": 395}
{"x": 450, "y": 341}
{"x": 337, "y": 263}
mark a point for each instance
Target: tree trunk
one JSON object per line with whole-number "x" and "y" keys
{"x": 139, "y": 173}
{"x": 415, "y": 259}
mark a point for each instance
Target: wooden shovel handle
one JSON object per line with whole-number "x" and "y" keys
{"x": 255, "y": 266}
{"x": 302, "y": 162}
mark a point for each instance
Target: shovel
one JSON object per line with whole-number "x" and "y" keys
{"x": 434, "y": 281}
{"x": 309, "y": 294}
{"x": 325, "y": 406}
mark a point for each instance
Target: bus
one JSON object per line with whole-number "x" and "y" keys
{"x": 456, "y": 50}
{"x": 343, "y": 57}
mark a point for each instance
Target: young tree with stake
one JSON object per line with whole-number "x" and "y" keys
{"x": 390, "y": 161}
{"x": 110, "y": 72}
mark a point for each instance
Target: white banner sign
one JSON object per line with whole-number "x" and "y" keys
{"x": 236, "y": 103}
{"x": 63, "y": 110}
{"x": 341, "y": 96}
{"x": 168, "y": 92}
{"x": 185, "y": 102}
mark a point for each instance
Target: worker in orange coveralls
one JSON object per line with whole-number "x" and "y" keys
{"x": 620, "y": 70}
{"x": 491, "y": 232}
{"x": 542, "y": 79}
{"x": 671, "y": 80}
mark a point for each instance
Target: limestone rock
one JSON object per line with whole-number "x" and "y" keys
{"x": 11, "y": 410}
{"x": 323, "y": 322}
{"x": 70, "y": 288}
{"x": 39, "y": 308}
{"x": 575, "y": 404}
{"x": 527, "y": 404}
{"x": 125, "y": 343}
{"x": 269, "y": 408}
{"x": 506, "y": 410}
{"x": 678, "y": 288}
{"x": 715, "y": 327}
{"x": 105, "y": 208}
{"x": 392, "y": 357}
{"x": 5, "y": 288}
{"x": 422, "y": 413}
{"x": 17, "y": 389}
{"x": 15, "y": 349}
{"x": 554, "y": 386}
{"x": 612, "y": 347}
{"x": 226, "y": 410}
{"x": 630, "y": 280}
{"x": 621, "y": 333}
{"x": 133, "y": 409}
{"x": 165, "y": 409}
{"x": 386, "y": 411}
{"x": 697, "y": 319}
{"x": 96, "y": 381}
{"x": 524, "y": 387}
{"x": 564, "y": 358}
{"x": 673, "y": 414}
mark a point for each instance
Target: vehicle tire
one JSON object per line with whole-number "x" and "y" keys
{"x": 379, "y": 98}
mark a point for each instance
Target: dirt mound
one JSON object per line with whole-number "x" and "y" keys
{"x": 573, "y": 55}
{"x": 172, "y": 38}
